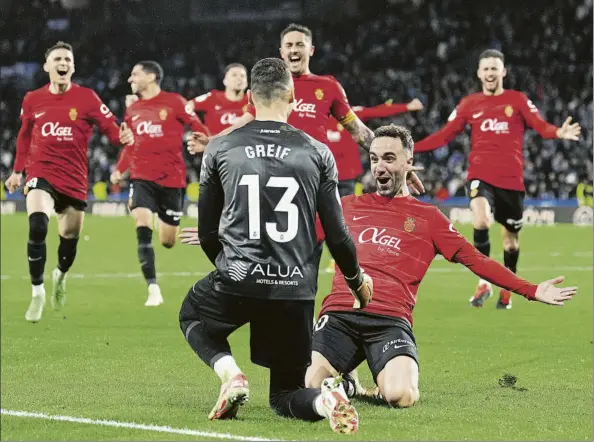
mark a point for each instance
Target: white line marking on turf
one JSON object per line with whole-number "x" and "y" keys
{"x": 130, "y": 425}
{"x": 165, "y": 274}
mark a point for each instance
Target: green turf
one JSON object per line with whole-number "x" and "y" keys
{"x": 106, "y": 356}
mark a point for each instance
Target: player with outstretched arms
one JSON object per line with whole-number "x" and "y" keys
{"x": 495, "y": 181}
{"x": 157, "y": 166}
{"x": 317, "y": 98}
{"x": 221, "y": 109}
{"x": 397, "y": 237}
{"x": 52, "y": 144}
{"x": 260, "y": 189}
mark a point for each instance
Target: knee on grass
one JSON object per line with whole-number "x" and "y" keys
{"x": 401, "y": 397}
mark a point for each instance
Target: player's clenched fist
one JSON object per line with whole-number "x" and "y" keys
{"x": 197, "y": 142}
{"x": 131, "y": 99}
{"x": 126, "y": 135}
{"x": 14, "y": 181}
{"x": 361, "y": 287}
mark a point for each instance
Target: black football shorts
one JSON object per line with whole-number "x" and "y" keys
{"x": 346, "y": 339}
{"x": 280, "y": 330}
{"x": 507, "y": 205}
{"x": 166, "y": 202}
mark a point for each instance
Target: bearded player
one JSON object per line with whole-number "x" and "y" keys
{"x": 397, "y": 237}
{"x": 52, "y": 144}
{"x": 156, "y": 160}
{"x": 221, "y": 109}
{"x": 495, "y": 184}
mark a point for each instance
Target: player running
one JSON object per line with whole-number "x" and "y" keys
{"x": 260, "y": 189}
{"x": 397, "y": 237}
{"x": 496, "y": 172}
{"x": 56, "y": 124}
{"x": 221, "y": 109}
{"x": 156, "y": 162}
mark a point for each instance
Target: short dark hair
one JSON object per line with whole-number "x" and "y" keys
{"x": 152, "y": 67}
{"x": 270, "y": 78}
{"x": 492, "y": 53}
{"x": 396, "y": 131}
{"x": 234, "y": 65}
{"x": 58, "y": 45}
{"x": 294, "y": 27}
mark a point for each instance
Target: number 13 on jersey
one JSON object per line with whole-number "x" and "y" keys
{"x": 285, "y": 205}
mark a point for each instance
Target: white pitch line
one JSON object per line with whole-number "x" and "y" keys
{"x": 457, "y": 269}
{"x": 130, "y": 425}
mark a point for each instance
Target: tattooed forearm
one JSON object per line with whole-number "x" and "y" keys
{"x": 360, "y": 133}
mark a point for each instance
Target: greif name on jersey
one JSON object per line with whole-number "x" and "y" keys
{"x": 266, "y": 151}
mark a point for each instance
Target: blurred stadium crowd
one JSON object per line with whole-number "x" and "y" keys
{"x": 419, "y": 48}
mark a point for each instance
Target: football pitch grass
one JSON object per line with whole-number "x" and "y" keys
{"x": 128, "y": 372}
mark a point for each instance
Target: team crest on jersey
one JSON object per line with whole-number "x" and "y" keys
{"x": 509, "y": 111}
{"x": 409, "y": 225}
{"x": 163, "y": 114}
{"x": 73, "y": 113}
{"x": 244, "y": 108}
{"x": 319, "y": 94}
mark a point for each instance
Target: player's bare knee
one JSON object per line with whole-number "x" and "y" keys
{"x": 511, "y": 241}
{"x": 167, "y": 243}
{"x": 401, "y": 397}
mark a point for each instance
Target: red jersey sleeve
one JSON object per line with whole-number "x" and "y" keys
{"x": 533, "y": 118}
{"x": 250, "y": 109}
{"x": 446, "y": 239}
{"x": 340, "y": 108}
{"x": 455, "y": 125}
{"x": 23, "y": 143}
{"x": 187, "y": 116}
{"x": 455, "y": 248}
{"x": 202, "y": 102}
{"x": 100, "y": 114}
{"x": 381, "y": 111}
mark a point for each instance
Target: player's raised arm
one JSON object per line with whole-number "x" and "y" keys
{"x": 341, "y": 110}
{"x": 454, "y": 247}
{"x": 454, "y": 126}
{"x": 387, "y": 109}
{"x": 23, "y": 144}
{"x": 210, "y": 205}
{"x": 337, "y": 235}
{"x": 187, "y": 116}
{"x": 534, "y": 120}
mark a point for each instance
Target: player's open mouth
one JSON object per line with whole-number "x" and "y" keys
{"x": 62, "y": 72}
{"x": 383, "y": 181}
{"x": 293, "y": 59}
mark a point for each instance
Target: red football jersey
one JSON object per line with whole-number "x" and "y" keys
{"x": 219, "y": 111}
{"x": 317, "y": 97}
{"x": 54, "y": 137}
{"x": 158, "y": 125}
{"x": 396, "y": 240}
{"x": 497, "y": 139}
{"x": 342, "y": 145}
